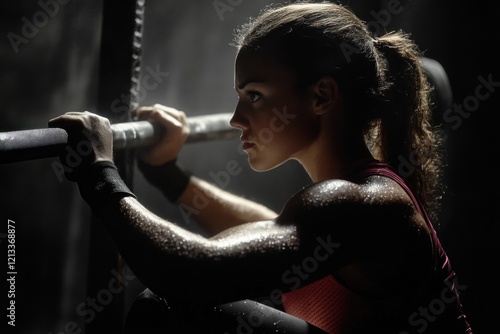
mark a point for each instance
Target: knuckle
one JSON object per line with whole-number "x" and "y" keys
{"x": 80, "y": 121}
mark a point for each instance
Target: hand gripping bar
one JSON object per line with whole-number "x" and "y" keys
{"x": 25, "y": 145}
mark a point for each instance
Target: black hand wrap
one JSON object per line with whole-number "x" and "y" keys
{"x": 101, "y": 185}
{"x": 169, "y": 178}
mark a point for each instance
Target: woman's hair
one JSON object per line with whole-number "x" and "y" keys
{"x": 383, "y": 85}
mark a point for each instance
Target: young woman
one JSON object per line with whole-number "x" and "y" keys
{"x": 354, "y": 252}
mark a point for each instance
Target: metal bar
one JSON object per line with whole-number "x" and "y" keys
{"x": 26, "y": 145}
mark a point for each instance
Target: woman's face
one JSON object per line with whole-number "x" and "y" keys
{"x": 276, "y": 120}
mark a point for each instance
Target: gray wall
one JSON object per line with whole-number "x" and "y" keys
{"x": 49, "y": 63}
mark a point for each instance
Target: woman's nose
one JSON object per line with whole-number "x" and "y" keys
{"x": 238, "y": 121}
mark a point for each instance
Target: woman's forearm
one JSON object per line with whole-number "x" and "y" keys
{"x": 216, "y": 209}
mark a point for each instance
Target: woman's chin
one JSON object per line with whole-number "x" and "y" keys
{"x": 262, "y": 166}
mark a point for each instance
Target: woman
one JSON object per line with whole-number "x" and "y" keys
{"x": 354, "y": 252}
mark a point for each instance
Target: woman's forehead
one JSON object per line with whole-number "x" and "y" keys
{"x": 246, "y": 57}
{"x": 252, "y": 64}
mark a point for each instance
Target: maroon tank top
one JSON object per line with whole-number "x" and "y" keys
{"x": 329, "y": 305}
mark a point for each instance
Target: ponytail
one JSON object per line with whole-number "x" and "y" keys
{"x": 405, "y": 137}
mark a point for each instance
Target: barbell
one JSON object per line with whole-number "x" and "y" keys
{"x": 23, "y": 145}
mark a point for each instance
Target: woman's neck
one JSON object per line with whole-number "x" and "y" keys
{"x": 334, "y": 158}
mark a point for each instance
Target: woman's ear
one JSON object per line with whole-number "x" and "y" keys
{"x": 325, "y": 94}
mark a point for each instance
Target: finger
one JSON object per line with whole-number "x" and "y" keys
{"x": 178, "y": 114}
{"x": 146, "y": 111}
{"x": 183, "y": 118}
{"x": 165, "y": 119}
{"x": 151, "y": 107}
{"x": 70, "y": 115}
{"x": 142, "y": 113}
{"x": 65, "y": 121}
{"x": 76, "y": 113}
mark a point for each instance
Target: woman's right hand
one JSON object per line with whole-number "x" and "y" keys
{"x": 176, "y": 132}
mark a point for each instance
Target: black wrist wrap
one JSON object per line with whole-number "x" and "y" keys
{"x": 169, "y": 178}
{"x": 100, "y": 185}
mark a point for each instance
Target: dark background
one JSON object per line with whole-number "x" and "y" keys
{"x": 56, "y": 69}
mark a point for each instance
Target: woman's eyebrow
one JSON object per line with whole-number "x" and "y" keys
{"x": 249, "y": 80}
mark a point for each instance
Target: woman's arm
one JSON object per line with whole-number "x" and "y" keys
{"x": 213, "y": 208}
{"x": 249, "y": 260}
{"x": 245, "y": 261}
{"x": 216, "y": 209}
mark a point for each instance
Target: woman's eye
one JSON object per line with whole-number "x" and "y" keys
{"x": 253, "y": 96}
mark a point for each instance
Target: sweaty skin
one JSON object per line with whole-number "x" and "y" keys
{"x": 377, "y": 243}
{"x": 250, "y": 260}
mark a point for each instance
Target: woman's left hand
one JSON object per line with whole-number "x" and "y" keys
{"x": 90, "y": 139}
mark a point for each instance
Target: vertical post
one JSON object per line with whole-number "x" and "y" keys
{"x": 118, "y": 87}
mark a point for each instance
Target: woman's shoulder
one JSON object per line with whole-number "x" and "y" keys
{"x": 375, "y": 203}
{"x": 334, "y": 194}
{"x": 374, "y": 223}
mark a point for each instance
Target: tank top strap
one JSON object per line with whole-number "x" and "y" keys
{"x": 371, "y": 167}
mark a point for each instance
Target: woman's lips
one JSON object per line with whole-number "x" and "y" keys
{"x": 247, "y": 145}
